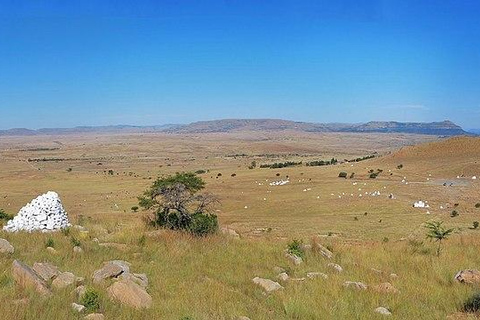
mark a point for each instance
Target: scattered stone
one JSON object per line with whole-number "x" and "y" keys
{"x": 46, "y": 271}
{"x": 306, "y": 247}
{"x": 230, "y": 232}
{"x": 78, "y": 307}
{"x": 313, "y": 275}
{"x": 27, "y": 278}
{"x": 295, "y": 259}
{"x": 322, "y": 250}
{"x": 383, "y": 310}
{"x": 278, "y": 269}
{"x": 385, "y": 288}
{"x": 63, "y": 280}
{"x": 44, "y": 213}
{"x": 129, "y": 293}
{"x": 77, "y": 249}
{"x": 6, "y": 247}
{"x": 111, "y": 269}
{"x": 139, "y": 278}
{"x": 469, "y": 276}
{"x": 393, "y": 276}
{"x": 335, "y": 266}
{"x": 267, "y": 284}
{"x": 80, "y": 291}
{"x": 283, "y": 276}
{"x": 355, "y": 285}
{"x": 51, "y": 250}
{"x": 94, "y": 316}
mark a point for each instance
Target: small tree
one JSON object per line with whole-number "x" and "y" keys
{"x": 475, "y": 225}
{"x": 135, "y": 208}
{"x": 177, "y": 205}
{"x": 437, "y": 232}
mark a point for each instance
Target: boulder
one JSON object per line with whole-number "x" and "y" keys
{"x": 94, "y": 316}
{"x": 80, "y": 291}
{"x": 267, "y": 284}
{"x": 230, "y": 232}
{"x": 355, "y": 285}
{"x": 63, "y": 280}
{"x": 469, "y": 276}
{"x": 385, "y": 287}
{"x": 313, "y": 275}
{"x": 51, "y": 250}
{"x": 46, "y": 271}
{"x": 335, "y": 266}
{"x": 6, "y": 247}
{"x": 283, "y": 276}
{"x": 129, "y": 293}
{"x": 139, "y": 278}
{"x": 322, "y": 250}
{"x": 77, "y": 249}
{"x": 111, "y": 269}
{"x": 27, "y": 278}
{"x": 278, "y": 269}
{"x": 78, "y": 307}
{"x": 383, "y": 310}
{"x": 295, "y": 259}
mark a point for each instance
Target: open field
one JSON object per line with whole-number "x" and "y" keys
{"x": 211, "y": 278}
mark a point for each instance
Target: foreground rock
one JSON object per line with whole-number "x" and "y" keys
{"x": 111, "y": 269}
{"x": 295, "y": 259}
{"x": 44, "y": 213}
{"x": 25, "y": 277}
{"x": 355, "y": 285}
{"x": 283, "y": 276}
{"x": 267, "y": 284}
{"x": 78, "y": 307}
{"x": 46, "y": 271}
{"x": 383, "y": 311}
{"x": 6, "y": 247}
{"x": 469, "y": 276}
{"x": 129, "y": 293}
{"x": 63, "y": 280}
{"x": 322, "y": 250}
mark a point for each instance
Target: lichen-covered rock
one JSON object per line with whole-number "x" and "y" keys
{"x": 283, "y": 276}
{"x": 129, "y": 293}
{"x": 111, "y": 269}
{"x": 335, "y": 266}
{"x": 469, "y": 276}
{"x": 267, "y": 284}
{"x": 313, "y": 275}
{"x": 6, "y": 247}
{"x": 322, "y": 250}
{"x": 27, "y": 278}
{"x": 63, "y": 280}
{"x": 45, "y": 270}
{"x": 293, "y": 258}
{"x": 355, "y": 285}
{"x": 383, "y": 310}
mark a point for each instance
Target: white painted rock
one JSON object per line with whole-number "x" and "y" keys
{"x": 45, "y": 213}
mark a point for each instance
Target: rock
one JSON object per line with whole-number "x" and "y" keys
{"x": 393, "y": 276}
{"x": 94, "y": 316}
{"x": 63, "y": 280}
{"x": 51, "y": 250}
{"x": 80, "y": 291}
{"x": 469, "y": 276}
{"x": 293, "y": 258}
{"x": 385, "y": 288}
{"x": 383, "y": 310}
{"x": 111, "y": 269}
{"x": 335, "y": 266}
{"x": 322, "y": 250}
{"x": 129, "y": 293}
{"x": 27, "y": 278}
{"x": 283, "y": 276}
{"x": 78, "y": 307}
{"x": 267, "y": 284}
{"x": 306, "y": 247}
{"x": 6, "y": 247}
{"x": 46, "y": 271}
{"x": 139, "y": 278}
{"x": 77, "y": 249}
{"x": 355, "y": 285}
{"x": 313, "y": 275}
{"x": 230, "y": 232}
{"x": 278, "y": 269}
{"x": 44, "y": 213}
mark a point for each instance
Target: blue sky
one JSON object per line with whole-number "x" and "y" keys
{"x": 69, "y": 63}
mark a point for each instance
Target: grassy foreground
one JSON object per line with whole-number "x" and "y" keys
{"x": 211, "y": 278}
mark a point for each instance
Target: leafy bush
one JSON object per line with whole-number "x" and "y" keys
{"x": 49, "y": 243}
{"x": 477, "y": 205}
{"x": 295, "y": 248}
{"x": 454, "y": 214}
{"x": 373, "y": 175}
{"x": 91, "y": 300}
{"x": 352, "y": 175}
{"x": 5, "y": 216}
{"x": 475, "y": 225}
{"x": 400, "y": 166}
{"x": 75, "y": 242}
{"x": 472, "y": 304}
{"x": 203, "y": 224}
{"x": 134, "y": 208}
{"x": 201, "y": 171}
{"x": 343, "y": 174}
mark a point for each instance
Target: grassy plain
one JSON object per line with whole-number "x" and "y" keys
{"x": 211, "y": 278}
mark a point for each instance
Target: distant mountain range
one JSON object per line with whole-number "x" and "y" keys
{"x": 444, "y": 128}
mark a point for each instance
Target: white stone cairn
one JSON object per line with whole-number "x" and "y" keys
{"x": 45, "y": 213}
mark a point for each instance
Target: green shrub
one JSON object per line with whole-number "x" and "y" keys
{"x": 295, "y": 248}
{"x": 201, "y": 171}
{"x": 91, "y": 300}
{"x": 454, "y": 214}
{"x": 49, "y": 243}
{"x": 5, "y": 216}
{"x": 475, "y": 225}
{"x": 373, "y": 175}
{"x": 202, "y": 224}
{"x": 400, "y": 166}
{"x": 66, "y": 231}
{"x": 343, "y": 174}
{"x": 75, "y": 242}
{"x": 134, "y": 208}
{"x": 142, "y": 240}
{"x": 472, "y": 304}
{"x": 477, "y": 205}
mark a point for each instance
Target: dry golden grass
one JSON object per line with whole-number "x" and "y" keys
{"x": 211, "y": 278}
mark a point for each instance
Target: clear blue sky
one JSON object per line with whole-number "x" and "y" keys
{"x": 68, "y": 63}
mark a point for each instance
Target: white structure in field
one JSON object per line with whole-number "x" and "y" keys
{"x": 420, "y": 204}
{"x": 45, "y": 213}
{"x": 279, "y": 183}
